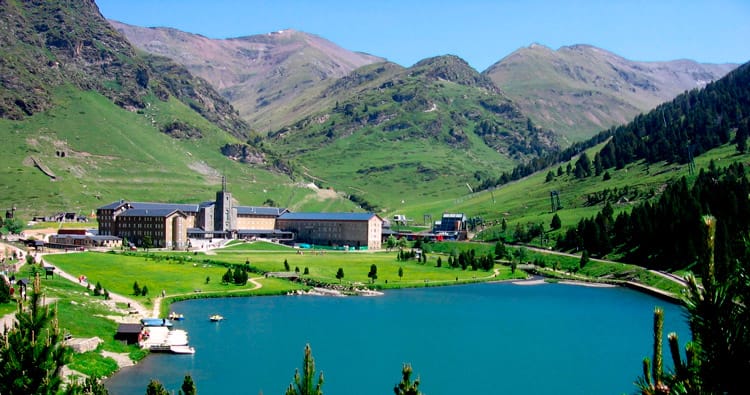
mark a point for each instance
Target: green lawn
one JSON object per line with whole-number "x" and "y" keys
{"x": 356, "y": 265}
{"x": 84, "y": 316}
{"x": 255, "y": 246}
{"x": 118, "y": 273}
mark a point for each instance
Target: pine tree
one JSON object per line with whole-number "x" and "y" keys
{"x": 136, "y": 289}
{"x": 228, "y": 277}
{"x": 720, "y": 323}
{"x": 340, "y": 274}
{"x": 90, "y": 386}
{"x": 31, "y": 351}
{"x": 584, "y": 259}
{"x": 741, "y": 137}
{"x": 556, "y": 223}
{"x": 373, "y": 274}
{"x": 304, "y": 384}
{"x": 156, "y": 388}
{"x": 406, "y": 386}
{"x": 188, "y": 386}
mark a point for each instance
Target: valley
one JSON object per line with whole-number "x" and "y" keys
{"x": 572, "y": 163}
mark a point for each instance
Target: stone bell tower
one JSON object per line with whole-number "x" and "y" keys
{"x": 225, "y": 219}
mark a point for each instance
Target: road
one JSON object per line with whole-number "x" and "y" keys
{"x": 669, "y": 276}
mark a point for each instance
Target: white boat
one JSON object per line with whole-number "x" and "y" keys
{"x": 216, "y": 318}
{"x": 175, "y": 317}
{"x": 182, "y": 350}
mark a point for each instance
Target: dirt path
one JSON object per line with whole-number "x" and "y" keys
{"x": 115, "y": 298}
{"x": 158, "y": 299}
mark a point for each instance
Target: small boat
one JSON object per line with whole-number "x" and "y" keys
{"x": 176, "y": 317}
{"x": 156, "y": 322}
{"x": 215, "y": 318}
{"x": 182, "y": 350}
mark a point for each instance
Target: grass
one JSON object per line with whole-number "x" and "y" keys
{"x": 356, "y": 266}
{"x": 119, "y": 272}
{"x": 255, "y": 246}
{"x": 528, "y": 201}
{"x": 113, "y": 154}
{"x": 83, "y": 315}
{"x": 180, "y": 274}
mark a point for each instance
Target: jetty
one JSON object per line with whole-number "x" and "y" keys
{"x": 164, "y": 339}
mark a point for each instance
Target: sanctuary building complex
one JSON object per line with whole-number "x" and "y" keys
{"x": 172, "y": 225}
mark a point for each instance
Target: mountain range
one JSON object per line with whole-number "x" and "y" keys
{"x": 90, "y": 117}
{"x": 580, "y": 89}
{"x": 261, "y": 75}
{"x": 575, "y": 91}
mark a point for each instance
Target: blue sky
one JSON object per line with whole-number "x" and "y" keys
{"x": 480, "y": 31}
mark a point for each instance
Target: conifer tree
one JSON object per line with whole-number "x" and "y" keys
{"x": 373, "y": 274}
{"x": 31, "y": 351}
{"x": 584, "y": 259}
{"x": 556, "y": 222}
{"x": 406, "y": 386}
{"x": 304, "y": 384}
{"x": 340, "y": 274}
{"x": 156, "y": 388}
{"x": 90, "y": 386}
{"x": 720, "y": 323}
{"x": 188, "y": 386}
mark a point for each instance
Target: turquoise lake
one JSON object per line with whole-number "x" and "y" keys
{"x": 497, "y": 338}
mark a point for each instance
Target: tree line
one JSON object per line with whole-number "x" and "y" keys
{"x": 675, "y": 132}
{"x": 667, "y": 234}
{"x": 717, "y": 311}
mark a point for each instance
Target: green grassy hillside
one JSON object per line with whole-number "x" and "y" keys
{"x": 423, "y": 133}
{"x": 99, "y": 153}
{"x": 527, "y": 201}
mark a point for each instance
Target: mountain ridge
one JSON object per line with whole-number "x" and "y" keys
{"x": 260, "y": 74}
{"x": 49, "y": 44}
{"x": 578, "y": 90}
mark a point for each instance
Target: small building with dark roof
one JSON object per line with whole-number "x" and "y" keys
{"x": 451, "y": 226}
{"x": 78, "y": 241}
{"x": 358, "y": 230}
{"x": 129, "y": 333}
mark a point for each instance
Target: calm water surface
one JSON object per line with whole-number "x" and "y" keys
{"x": 485, "y": 338}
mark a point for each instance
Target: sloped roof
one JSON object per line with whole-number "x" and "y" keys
{"x": 327, "y": 216}
{"x": 253, "y": 210}
{"x": 185, "y": 208}
{"x": 113, "y": 205}
{"x": 458, "y": 216}
{"x": 161, "y": 212}
{"x": 84, "y": 237}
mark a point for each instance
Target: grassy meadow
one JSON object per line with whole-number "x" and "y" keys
{"x": 112, "y": 154}
{"x": 527, "y": 201}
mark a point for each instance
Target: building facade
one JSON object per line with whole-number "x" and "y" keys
{"x": 169, "y": 225}
{"x": 357, "y": 230}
